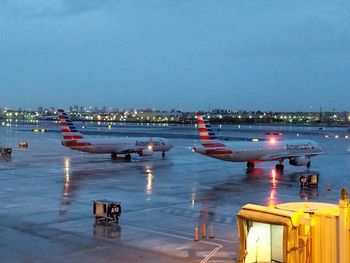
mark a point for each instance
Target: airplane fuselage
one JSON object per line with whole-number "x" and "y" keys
{"x": 118, "y": 145}
{"x": 261, "y": 151}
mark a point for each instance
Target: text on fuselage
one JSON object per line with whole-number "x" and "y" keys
{"x": 299, "y": 147}
{"x": 147, "y": 143}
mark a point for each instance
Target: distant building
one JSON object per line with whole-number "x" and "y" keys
{"x": 220, "y": 111}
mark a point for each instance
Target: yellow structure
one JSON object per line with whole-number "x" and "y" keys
{"x": 301, "y": 232}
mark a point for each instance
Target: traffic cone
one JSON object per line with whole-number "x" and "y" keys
{"x": 196, "y": 234}
{"x": 204, "y": 230}
{"x": 211, "y": 231}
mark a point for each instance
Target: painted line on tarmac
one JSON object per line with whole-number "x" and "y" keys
{"x": 212, "y": 253}
{"x": 218, "y": 239}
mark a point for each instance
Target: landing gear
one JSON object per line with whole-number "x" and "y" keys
{"x": 128, "y": 157}
{"x": 279, "y": 167}
{"x": 250, "y": 164}
{"x": 308, "y": 164}
{"x": 163, "y": 154}
{"x": 113, "y": 156}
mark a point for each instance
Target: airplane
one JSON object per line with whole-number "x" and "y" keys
{"x": 74, "y": 140}
{"x": 298, "y": 152}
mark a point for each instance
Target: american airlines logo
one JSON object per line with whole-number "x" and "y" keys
{"x": 297, "y": 147}
{"x": 147, "y": 143}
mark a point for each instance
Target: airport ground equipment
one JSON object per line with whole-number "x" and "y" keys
{"x": 23, "y": 144}
{"x": 106, "y": 210}
{"x": 295, "y": 232}
{"x": 5, "y": 152}
{"x": 39, "y": 130}
{"x": 308, "y": 180}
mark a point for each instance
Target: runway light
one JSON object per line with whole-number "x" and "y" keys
{"x": 272, "y": 140}
{"x": 255, "y": 140}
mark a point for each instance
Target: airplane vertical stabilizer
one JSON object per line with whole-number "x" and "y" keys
{"x": 69, "y": 131}
{"x": 207, "y": 136}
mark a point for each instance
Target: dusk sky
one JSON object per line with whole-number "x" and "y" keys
{"x": 183, "y": 54}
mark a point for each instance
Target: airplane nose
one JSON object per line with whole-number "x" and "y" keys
{"x": 167, "y": 145}
{"x": 198, "y": 149}
{"x": 170, "y": 145}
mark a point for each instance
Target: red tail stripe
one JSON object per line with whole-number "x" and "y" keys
{"x": 202, "y": 129}
{"x": 213, "y": 145}
{"x": 75, "y": 143}
{"x": 218, "y": 152}
{"x": 204, "y": 137}
{"x": 63, "y": 123}
{"x": 65, "y": 130}
{"x": 73, "y": 137}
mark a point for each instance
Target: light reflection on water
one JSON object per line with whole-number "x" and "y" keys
{"x": 148, "y": 170}
{"x": 262, "y": 185}
{"x": 273, "y": 192}
{"x": 65, "y": 203}
{"x": 67, "y": 175}
{"x": 280, "y": 185}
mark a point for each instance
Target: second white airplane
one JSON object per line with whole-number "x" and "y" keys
{"x": 298, "y": 152}
{"x": 74, "y": 140}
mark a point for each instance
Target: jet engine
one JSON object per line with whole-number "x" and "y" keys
{"x": 145, "y": 152}
{"x": 299, "y": 161}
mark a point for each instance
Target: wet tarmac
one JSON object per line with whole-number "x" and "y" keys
{"x": 47, "y": 193}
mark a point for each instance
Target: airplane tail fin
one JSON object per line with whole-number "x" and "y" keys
{"x": 207, "y": 136}
{"x": 69, "y": 131}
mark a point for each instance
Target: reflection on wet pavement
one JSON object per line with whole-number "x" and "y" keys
{"x": 47, "y": 193}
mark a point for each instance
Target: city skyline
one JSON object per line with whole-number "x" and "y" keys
{"x": 105, "y": 108}
{"x": 188, "y": 55}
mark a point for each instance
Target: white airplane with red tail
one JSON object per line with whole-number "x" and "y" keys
{"x": 298, "y": 152}
{"x": 74, "y": 140}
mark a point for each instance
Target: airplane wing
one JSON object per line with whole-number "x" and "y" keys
{"x": 131, "y": 150}
{"x": 273, "y": 157}
{"x": 143, "y": 150}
